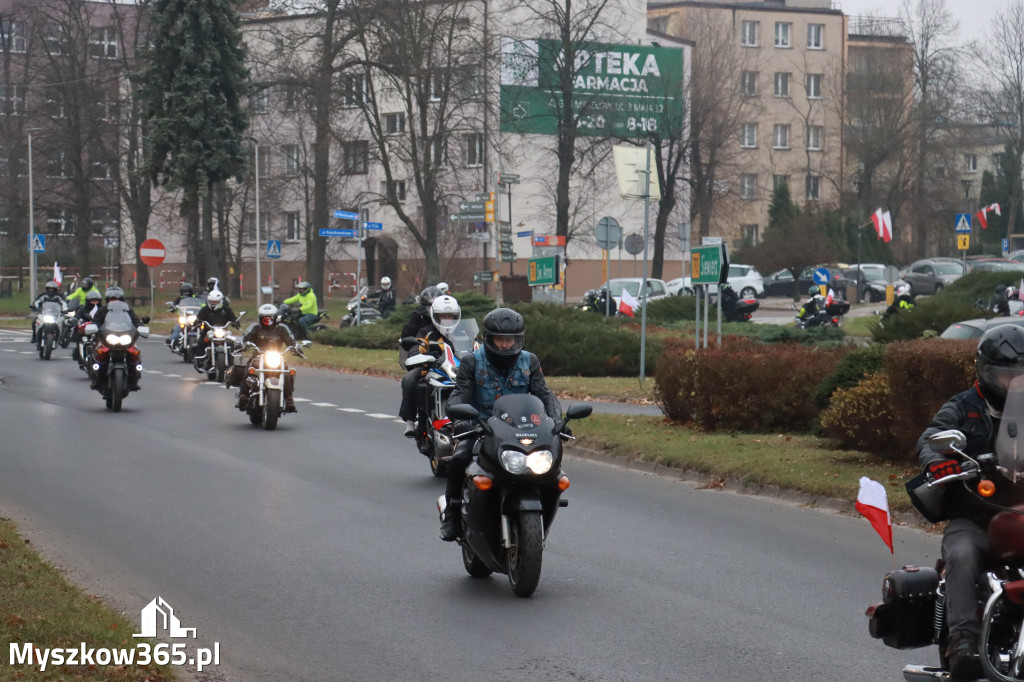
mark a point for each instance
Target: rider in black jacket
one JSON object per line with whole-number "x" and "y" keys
{"x": 216, "y": 313}
{"x": 116, "y": 294}
{"x": 445, "y": 315}
{"x": 386, "y": 302}
{"x": 269, "y": 334}
{"x": 50, "y": 293}
{"x": 975, "y": 412}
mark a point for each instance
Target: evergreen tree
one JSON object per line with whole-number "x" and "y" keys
{"x": 194, "y": 85}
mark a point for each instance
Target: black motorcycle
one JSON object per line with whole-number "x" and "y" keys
{"x": 68, "y": 323}
{"x": 289, "y": 316}
{"x": 186, "y": 310}
{"x": 831, "y": 316}
{"x": 735, "y": 309}
{"x": 512, "y": 489}
{"x": 216, "y": 350}
{"x": 596, "y": 301}
{"x": 116, "y": 349}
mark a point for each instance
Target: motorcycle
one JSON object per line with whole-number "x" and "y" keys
{"x": 739, "y": 309}
{"x": 218, "y": 350}
{"x": 361, "y": 309}
{"x": 84, "y": 348}
{"x": 512, "y": 489}
{"x": 434, "y": 431}
{"x": 832, "y": 316}
{"x": 186, "y": 309}
{"x": 290, "y": 315}
{"x": 67, "y": 328}
{"x": 912, "y": 612}
{"x": 595, "y": 301}
{"x": 48, "y": 320}
{"x": 265, "y": 378}
{"x": 117, "y": 349}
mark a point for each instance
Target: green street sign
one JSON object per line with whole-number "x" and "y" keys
{"x": 467, "y": 217}
{"x": 543, "y": 271}
{"x": 706, "y": 264}
{"x": 473, "y": 206}
{"x": 623, "y": 91}
{"x": 485, "y": 276}
{"x": 508, "y": 257}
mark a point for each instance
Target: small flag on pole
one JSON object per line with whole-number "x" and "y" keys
{"x": 874, "y": 505}
{"x": 57, "y": 277}
{"x": 982, "y": 215}
{"x": 627, "y": 304}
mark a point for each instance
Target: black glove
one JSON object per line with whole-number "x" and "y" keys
{"x": 566, "y": 430}
{"x": 948, "y": 467}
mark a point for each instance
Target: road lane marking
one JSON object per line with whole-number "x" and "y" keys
{"x": 350, "y": 409}
{"x": 376, "y": 415}
{"x": 324, "y": 405}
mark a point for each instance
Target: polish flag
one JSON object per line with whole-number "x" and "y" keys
{"x": 57, "y": 277}
{"x": 883, "y": 224}
{"x": 627, "y": 304}
{"x": 983, "y": 214}
{"x": 831, "y": 297}
{"x": 873, "y": 504}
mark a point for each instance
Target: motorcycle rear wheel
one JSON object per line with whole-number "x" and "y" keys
{"x": 47, "y": 348}
{"x": 271, "y": 409}
{"x": 525, "y": 553}
{"x": 474, "y": 567}
{"x": 118, "y": 388}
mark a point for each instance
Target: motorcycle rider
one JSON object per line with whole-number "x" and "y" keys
{"x": 445, "y": 315}
{"x": 442, "y": 287}
{"x": 269, "y": 334}
{"x": 729, "y": 298}
{"x": 902, "y": 302}
{"x": 51, "y": 292}
{"x": 77, "y": 297}
{"x": 386, "y": 302}
{"x": 1003, "y": 297}
{"x": 85, "y": 313}
{"x": 186, "y": 290}
{"x": 308, "y": 306}
{"x": 116, "y": 294}
{"x": 499, "y": 367}
{"x": 976, "y": 412}
{"x": 814, "y": 305}
{"x": 420, "y": 317}
{"x": 216, "y": 313}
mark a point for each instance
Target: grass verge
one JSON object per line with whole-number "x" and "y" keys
{"x": 38, "y": 605}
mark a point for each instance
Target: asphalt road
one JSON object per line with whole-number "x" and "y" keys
{"x": 311, "y": 552}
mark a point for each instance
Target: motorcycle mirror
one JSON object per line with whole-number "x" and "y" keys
{"x": 408, "y": 342}
{"x": 145, "y": 319}
{"x": 91, "y": 328}
{"x": 241, "y": 315}
{"x": 306, "y": 343}
{"x": 144, "y": 332}
{"x": 579, "y": 411}
{"x": 948, "y": 441}
{"x": 463, "y": 412}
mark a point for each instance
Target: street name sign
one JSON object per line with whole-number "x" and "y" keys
{"x": 543, "y": 271}
{"x": 325, "y": 232}
{"x": 346, "y": 215}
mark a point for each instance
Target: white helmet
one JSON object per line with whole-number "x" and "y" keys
{"x": 215, "y": 299}
{"x": 445, "y": 313}
{"x": 385, "y": 282}
{"x": 443, "y": 286}
{"x": 903, "y": 290}
{"x": 267, "y": 314}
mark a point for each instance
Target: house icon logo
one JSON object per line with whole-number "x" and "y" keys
{"x": 158, "y": 616}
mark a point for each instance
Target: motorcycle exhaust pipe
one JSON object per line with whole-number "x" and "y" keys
{"x": 924, "y": 673}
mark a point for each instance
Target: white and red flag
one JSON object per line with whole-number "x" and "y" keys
{"x": 874, "y": 505}
{"x": 627, "y": 304}
{"x": 982, "y": 215}
{"x": 57, "y": 277}
{"x": 883, "y": 224}
{"x": 831, "y": 297}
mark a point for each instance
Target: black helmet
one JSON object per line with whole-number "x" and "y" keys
{"x": 428, "y": 295}
{"x": 212, "y": 283}
{"x": 87, "y": 284}
{"x": 503, "y": 322}
{"x": 1000, "y": 360}
{"x": 187, "y": 289}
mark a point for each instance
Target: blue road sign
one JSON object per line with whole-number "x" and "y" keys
{"x": 38, "y": 243}
{"x": 346, "y": 215}
{"x": 821, "y": 276}
{"x": 525, "y": 233}
{"x": 324, "y": 232}
{"x": 273, "y": 248}
{"x": 373, "y": 226}
{"x": 1006, "y": 245}
{"x": 962, "y": 222}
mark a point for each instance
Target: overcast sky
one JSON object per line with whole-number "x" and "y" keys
{"x": 974, "y": 16}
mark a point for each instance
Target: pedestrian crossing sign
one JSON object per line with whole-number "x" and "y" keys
{"x": 963, "y": 242}
{"x": 963, "y": 222}
{"x": 38, "y": 243}
{"x": 273, "y": 248}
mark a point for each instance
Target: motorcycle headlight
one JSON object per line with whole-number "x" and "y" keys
{"x": 191, "y": 319}
{"x": 182, "y": 320}
{"x": 118, "y": 339}
{"x": 49, "y": 319}
{"x": 513, "y": 461}
{"x": 272, "y": 359}
{"x": 540, "y": 461}
{"x": 219, "y": 333}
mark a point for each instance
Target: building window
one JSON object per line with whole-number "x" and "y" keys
{"x": 264, "y": 159}
{"x": 435, "y": 153}
{"x": 55, "y": 104}
{"x": 292, "y": 229}
{"x": 355, "y": 157}
{"x": 748, "y": 83}
{"x": 394, "y": 123}
{"x": 971, "y": 163}
{"x": 107, "y": 111}
{"x": 814, "y": 85}
{"x": 475, "y": 150}
{"x": 394, "y": 190}
{"x": 249, "y": 234}
{"x": 104, "y": 220}
{"x": 813, "y": 184}
{"x": 290, "y": 98}
{"x": 291, "y": 158}
{"x": 780, "y": 180}
{"x": 782, "y": 30}
{"x": 749, "y": 234}
{"x": 436, "y": 84}
{"x": 58, "y": 165}
{"x": 780, "y": 136}
{"x": 748, "y": 33}
{"x": 815, "y": 36}
{"x": 781, "y": 84}
{"x": 748, "y": 140}
{"x": 103, "y": 43}
{"x": 100, "y": 165}
{"x": 53, "y": 39}
{"x": 472, "y": 80}
{"x": 259, "y": 102}
{"x": 814, "y": 138}
{"x": 59, "y": 222}
{"x": 748, "y": 186}
{"x": 12, "y": 35}
{"x": 354, "y": 90}
{"x": 12, "y": 100}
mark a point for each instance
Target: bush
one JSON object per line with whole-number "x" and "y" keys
{"x": 861, "y": 416}
{"x": 854, "y": 366}
{"x": 742, "y": 384}
{"x": 671, "y": 309}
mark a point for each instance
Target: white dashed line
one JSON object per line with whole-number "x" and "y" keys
{"x": 380, "y": 416}
{"x": 174, "y": 376}
{"x": 301, "y": 400}
{"x": 324, "y": 405}
{"x": 350, "y": 409}
{"x": 152, "y": 371}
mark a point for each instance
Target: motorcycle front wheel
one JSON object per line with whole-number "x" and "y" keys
{"x": 271, "y": 409}
{"x": 47, "y": 348}
{"x": 525, "y": 553}
{"x": 118, "y": 387}
{"x": 219, "y": 369}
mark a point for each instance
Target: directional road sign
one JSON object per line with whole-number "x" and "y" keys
{"x": 962, "y": 222}
{"x": 549, "y": 240}
{"x": 152, "y": 252}
{"x": 485, "y": 196}
{"x": 466, "y": 217}
{"x": 38, "y": 243}
{"x": 821, "y": 276}
{"x": 373, "y": 226}
{"x": 346, "y": 215}
{"x": 273, "y": 248}
{"x": 706, "y": 264}
{"x": 508, "y": 179}
{"x": 472, "y": 205}
{"x": 324, "y": 232}
{"x": 485, "y": 276}
{"x": 542, "y": 271}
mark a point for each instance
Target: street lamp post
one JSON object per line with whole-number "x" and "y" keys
{"x": 967, "y": 208}
{"x": 259, "y": 276}
{"x": 859, "y": 184}
{"x": 31, "y": 225}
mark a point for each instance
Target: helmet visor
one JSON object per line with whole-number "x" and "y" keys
{"x": 505, "y": 344}
{"x": 999, "y": 376}
{"x": 266, "y": 320}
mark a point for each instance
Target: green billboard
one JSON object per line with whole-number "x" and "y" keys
{"x": 623, "y": 91}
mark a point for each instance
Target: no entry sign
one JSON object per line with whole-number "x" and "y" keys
{"x": 152, "y": 252}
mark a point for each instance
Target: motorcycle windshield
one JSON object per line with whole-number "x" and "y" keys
{"x": 51, "y": 308}
{"x": 117, "y": 321}
{"x": 464, "y": 337}
{"x": 190, "y": 304}
{"x": 1010, "y": 441}
{"x": 520, "y": 411}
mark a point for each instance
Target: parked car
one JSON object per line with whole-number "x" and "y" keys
{"x": 872, "y": 283}
{"x": 745, "y": 280}
{"x": 931, "y": 275}
{"x": 975, "y": 329}
{"x": 781, "y": 283}
{"x": 656, "y": 289}
{"x": 994, "y": 265}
